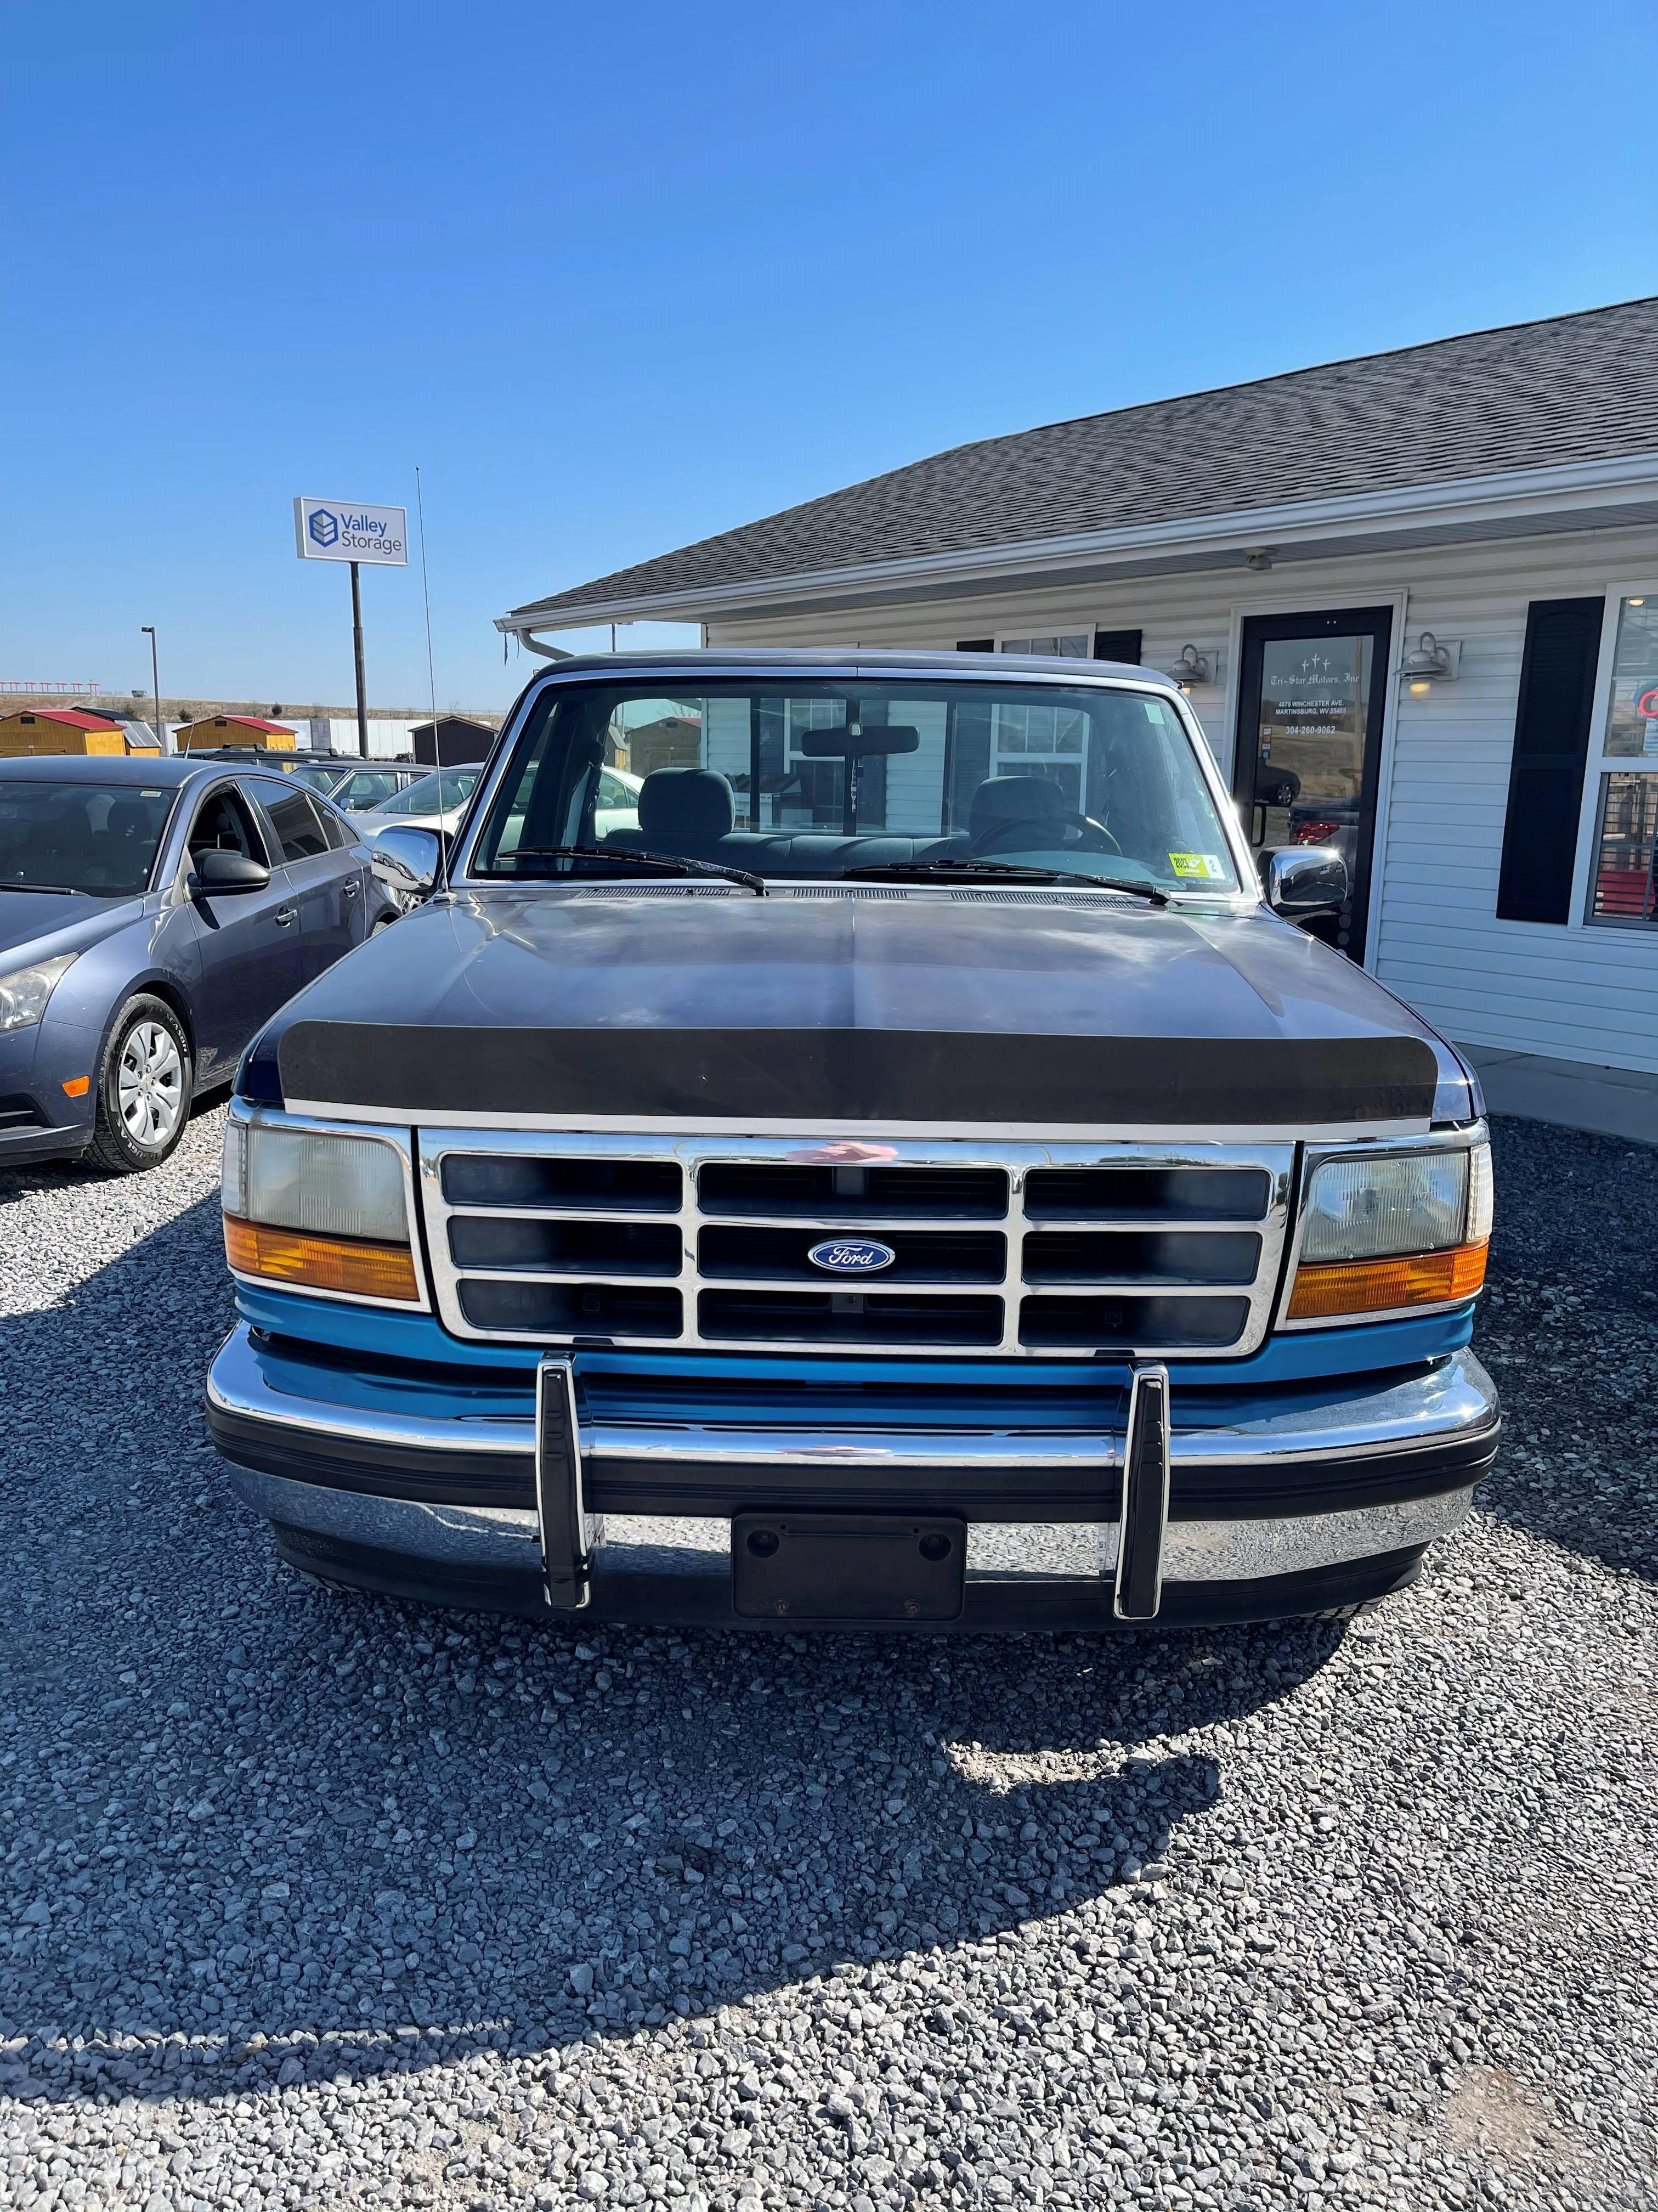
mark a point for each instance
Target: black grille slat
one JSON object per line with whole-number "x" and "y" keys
{"x": 1102, "y": 1323}
{"x": 923, "y": 1256}
{"x": 565, "y": 1248}
{"x": 568, "y": 1309}
{"x": 578, "y": 1185}
{"x": 858, "y": 1317}
{"x": 854, "y": 1193}
{"x": 1142, "y": 1255}
{"x": 1142, "y": 1194}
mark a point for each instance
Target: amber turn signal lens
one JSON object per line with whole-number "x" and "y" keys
{"x": 348, "y": 1264}
{"x": 78, "y": 1087}
{"x": 1356, "y": 1286}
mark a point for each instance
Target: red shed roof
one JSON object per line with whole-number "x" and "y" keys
{"x": 242, "y": 722}
{"x": 75, "y": 717}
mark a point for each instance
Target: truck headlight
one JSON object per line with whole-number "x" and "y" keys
{"x": 1404, "y": 1229}
{"x": 24, "y": 993}
{"x": 318, "y": 1211}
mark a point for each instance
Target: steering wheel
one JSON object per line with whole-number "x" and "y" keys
{"x": 1096, "y": 837}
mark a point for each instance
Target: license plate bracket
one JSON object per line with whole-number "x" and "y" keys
{"x": 848, "y": 1566}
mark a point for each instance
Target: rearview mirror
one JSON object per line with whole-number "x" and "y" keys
{"x": 406, "y": 861}
{"x": 214, "y": 873}
{"x": 848, "y": 744}
{"x": 1306, "y": 879}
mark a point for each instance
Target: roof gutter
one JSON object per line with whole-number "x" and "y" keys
{"x": 1504, "y": 504}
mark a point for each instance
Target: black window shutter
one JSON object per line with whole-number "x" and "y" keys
{"x": 1551, "y": 744}
{"x": 975, "y": 645}
{"x": 1118, "y": 644}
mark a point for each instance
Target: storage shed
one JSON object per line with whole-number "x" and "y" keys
{"x": 214, "y": 730}
{"x": 61, "y": 730}
{"x": 452, "y": 740}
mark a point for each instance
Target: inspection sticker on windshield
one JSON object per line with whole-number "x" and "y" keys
{"x": 1206, "y": 866}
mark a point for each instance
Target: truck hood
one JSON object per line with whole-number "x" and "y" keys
{"x": 949, "y": 1007}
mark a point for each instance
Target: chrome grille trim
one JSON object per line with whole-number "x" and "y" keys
{"x": 695, "y": 1151}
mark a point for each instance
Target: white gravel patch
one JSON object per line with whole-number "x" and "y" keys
{"x": 315, "y": 1901}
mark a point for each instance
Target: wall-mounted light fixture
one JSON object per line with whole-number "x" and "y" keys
{"x": 1258, "y": 557}
{"x": 1193, "y": 667}
{"x": 1431, "y": 660}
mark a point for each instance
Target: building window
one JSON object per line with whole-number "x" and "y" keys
{"x": 1621, "y": 891}
{"x": 1044, "y": 741}
{"x": 1070, "y": 644}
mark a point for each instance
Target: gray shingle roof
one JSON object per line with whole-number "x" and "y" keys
{"x": 1575, "y": 388}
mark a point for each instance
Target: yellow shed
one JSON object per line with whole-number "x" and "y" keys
{"x": 59, "y": 729}
{"x": 214, "y": 730}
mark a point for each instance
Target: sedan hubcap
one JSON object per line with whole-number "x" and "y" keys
{"x": 150, "y": 1085}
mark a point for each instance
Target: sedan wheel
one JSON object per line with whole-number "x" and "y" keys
{"x": 150, "y": 1085}
{"x": 144, "y": 1089}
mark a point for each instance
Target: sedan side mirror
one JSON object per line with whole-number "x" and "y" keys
{"x": 406, "y": 862}
{"x": 217, "y": 872}
{"x": 1306, "y": 879}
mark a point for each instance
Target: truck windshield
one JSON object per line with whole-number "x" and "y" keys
{"x": 94, "y": 837}
{"x": 825, "y": 779}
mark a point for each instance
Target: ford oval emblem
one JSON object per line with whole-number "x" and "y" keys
{"x": 851, "y": 1255}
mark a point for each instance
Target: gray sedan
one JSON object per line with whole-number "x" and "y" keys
{"x": 154, "y": 914}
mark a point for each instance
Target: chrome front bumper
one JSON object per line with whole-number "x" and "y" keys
{"x": 1304, "y": 1487}
{"x": 507, "y": 1539}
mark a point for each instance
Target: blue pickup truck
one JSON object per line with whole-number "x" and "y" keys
{"x": 904, "y": 1170}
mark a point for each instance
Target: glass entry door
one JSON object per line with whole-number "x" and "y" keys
{"x": 1311, "y": 689}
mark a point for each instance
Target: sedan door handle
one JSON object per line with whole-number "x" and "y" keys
{"x": 285, "y": 915}
{"x": 349, "y": 887}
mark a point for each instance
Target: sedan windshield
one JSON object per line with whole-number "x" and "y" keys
{"x": 96, "y": 837}
{"x": 433, "y": 794}
{"x": 841, "y": 779}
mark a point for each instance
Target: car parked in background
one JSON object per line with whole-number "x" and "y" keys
{"x": 617, "y": 802}
{"x": 358, "y": 787}
{"x": 353, "y": 784}
{"x": 154, "y": 913}
{"x": 436, "y": 801}
{"x": 1330, "y": 821}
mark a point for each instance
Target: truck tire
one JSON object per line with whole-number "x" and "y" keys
{"x": 144, "y": 1089}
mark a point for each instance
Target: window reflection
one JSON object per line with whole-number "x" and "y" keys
{"x": 1632, "y": 719}
{"x": 1622, "y": 889}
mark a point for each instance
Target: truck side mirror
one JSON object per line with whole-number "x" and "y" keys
{"x": 1306, "y": 879}
{"x": 406, "y": 862}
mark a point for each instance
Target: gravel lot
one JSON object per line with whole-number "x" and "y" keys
{"x": 315, "y": 1901}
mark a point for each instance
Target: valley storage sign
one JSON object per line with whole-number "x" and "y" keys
{"x": 337, "y": 530}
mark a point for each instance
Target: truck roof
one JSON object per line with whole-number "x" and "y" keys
{"x": 785, "y": 659}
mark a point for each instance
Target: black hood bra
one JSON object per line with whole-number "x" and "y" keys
{"x": 951, "y": 1008}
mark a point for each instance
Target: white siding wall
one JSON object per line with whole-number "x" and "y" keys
{"x": 1574, "y": 992}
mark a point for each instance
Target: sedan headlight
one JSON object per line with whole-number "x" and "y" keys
{"x": 1402, "y": 1230}
{"x": 318, "y": 1211}
{"x": 24, "y": 993}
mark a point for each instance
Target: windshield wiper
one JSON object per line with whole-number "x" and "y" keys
{"x": 993, "y": 869}
{"x": 626, "y": 857}
{"x": 40, "y": 887}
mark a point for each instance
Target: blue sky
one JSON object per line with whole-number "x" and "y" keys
{"x": 616, "y": 281}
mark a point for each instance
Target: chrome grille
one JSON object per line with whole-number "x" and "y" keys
{"x": 1004, "y": 1249}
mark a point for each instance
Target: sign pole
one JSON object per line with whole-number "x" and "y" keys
{"x": 356, "y": 648}
{"x": 342, "y": 529}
